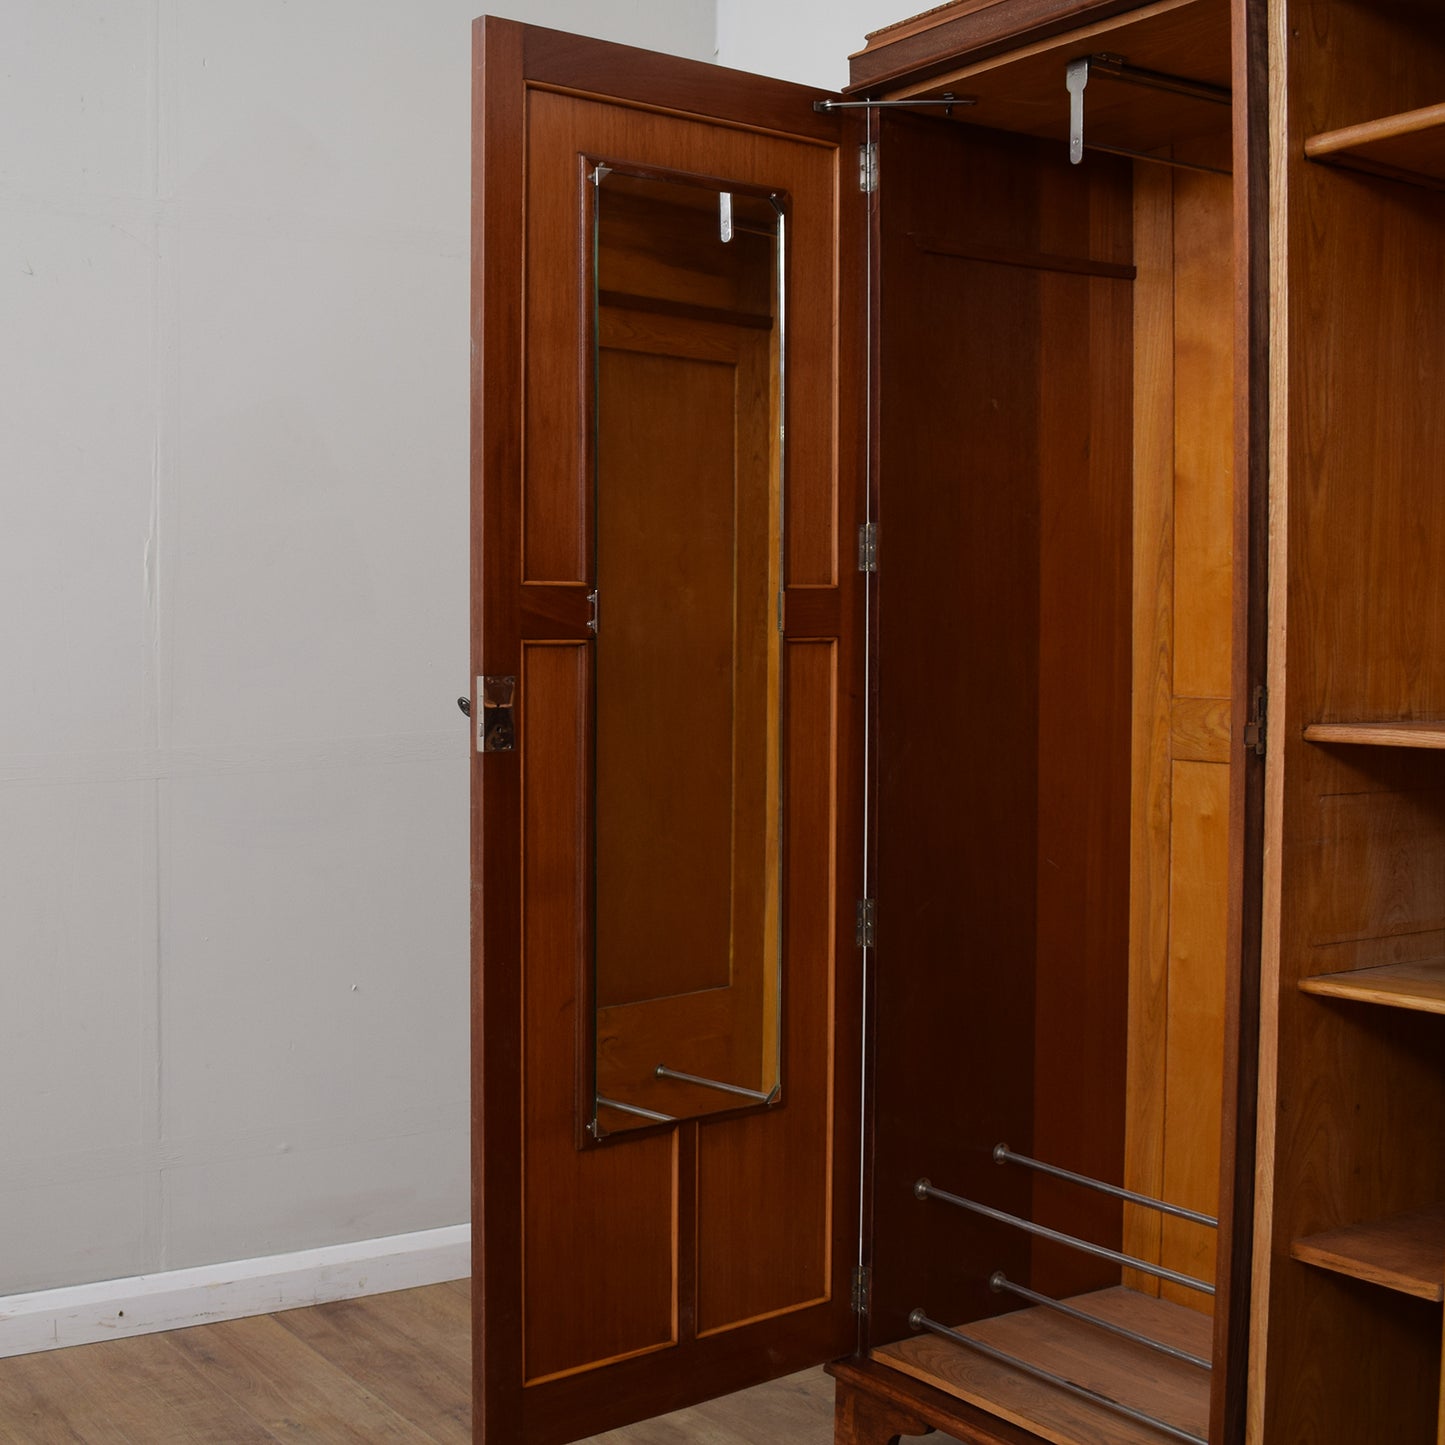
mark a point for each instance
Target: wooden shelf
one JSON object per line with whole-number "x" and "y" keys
{"x": 1408, "y": 147}
{"x": 1379, "y": 734}
{"x": 1419, "y": 985}
{"x": 1164, "y": 1388}
{"x": 1405, "y": 1252}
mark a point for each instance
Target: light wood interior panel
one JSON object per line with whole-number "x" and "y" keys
{"x": 1184, "y": 628}
{"x": 1194, "y": 1063}
{"x": 600, "y": 1281}
{"x": 763, "y": 1182}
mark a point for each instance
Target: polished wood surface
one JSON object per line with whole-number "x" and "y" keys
{"x": 1023, "y": 90}
{"x": 1166, "y": 1389}
{"x": 1003, "y": 712}
{"x": 1404, "y": 1252}
{"x": 1409, "y": 147}
{"x": 1396, "y": 985}
{"x": 635, "y": 1277}
{"x": 928, "y": 42}
{"x": 1403, "y": 734}
{"x": 1353, "y": 1097}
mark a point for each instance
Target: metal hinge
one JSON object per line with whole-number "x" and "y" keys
{"x": 868, "y": 167}
{"x": 868, "y": 547}
{"x": 862, "y": 1289}
{"x": 866, "y": 928}
{"x": 1255, "y": 728}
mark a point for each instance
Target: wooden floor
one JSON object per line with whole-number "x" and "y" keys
{"x": 392, "y": 1367}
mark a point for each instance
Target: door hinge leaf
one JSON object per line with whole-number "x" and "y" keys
{"x": 868, "y": 547}
{"x": 868, "y": 167}
{"x": 1256, "y": 728}
{"x": 866, "y": 931}
{"x": 862, "y": 1289}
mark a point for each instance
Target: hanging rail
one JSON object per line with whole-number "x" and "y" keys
{"x": 1000, "y": 1283}
{"x": 924, "y": 1189}
{"x": 1002, "y": 1154}
{"x": 948, "y": 100}
{"x": 920, "y": 1321}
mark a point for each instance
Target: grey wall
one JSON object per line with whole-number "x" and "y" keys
{"x": 233, "y": 575}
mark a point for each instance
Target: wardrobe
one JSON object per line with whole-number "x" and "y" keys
{"x": 959, "y": 781}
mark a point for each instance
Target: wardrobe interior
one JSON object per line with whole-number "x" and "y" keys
{"x": 1054, "y": 715}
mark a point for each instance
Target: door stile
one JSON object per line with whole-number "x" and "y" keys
{"x": 496, "y": 461}
{"x": 1230, "y": 1379}
{"x": 869, "y": 842}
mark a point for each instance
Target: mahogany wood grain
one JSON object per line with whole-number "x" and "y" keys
{"x": 1230, "y": 1390}
{"x": 879, "y": 1405}
{"x": 1003, "y": 479}
{"x": 1404, "y": 1252}
{"x": 1023, "y": 90}
{"x": 1358, "y": 1095}
{"x": 1166, "y": 1389}
{"x": 976, "y": 28}
{"x": 626, "y": 1277}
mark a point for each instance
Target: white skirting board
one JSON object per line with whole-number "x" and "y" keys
{"x": 84, "y": 1313}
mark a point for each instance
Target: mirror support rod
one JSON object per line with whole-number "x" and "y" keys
{"x": 663, "y": 1072}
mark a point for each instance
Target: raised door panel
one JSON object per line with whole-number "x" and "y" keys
{"x": 622, "y": 1276}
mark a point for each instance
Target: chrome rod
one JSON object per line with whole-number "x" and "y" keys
{"x": 1159, "y": 160}
{"x": 1117, "y": 68}
{"x": 635, "y": 1109}
{"x": 824, "y": 107}
{"x": 925, "y": 1190}
{"x": 998, "y": 1281}
{"x": 663, "y": 1072}
{"x": 920, "y": 1321}
{"x": 1002, "y": 1154}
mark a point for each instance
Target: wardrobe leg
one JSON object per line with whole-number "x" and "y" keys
{"x": 863, "y": 1419}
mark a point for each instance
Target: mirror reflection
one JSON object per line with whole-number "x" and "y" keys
{"x": 688, "y": 472}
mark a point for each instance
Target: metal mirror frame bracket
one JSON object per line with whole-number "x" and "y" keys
{"x": 595, "y": 172}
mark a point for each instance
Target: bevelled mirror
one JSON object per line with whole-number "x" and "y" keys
{"x": 687, "y": 450}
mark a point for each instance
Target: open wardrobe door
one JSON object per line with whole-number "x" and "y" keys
{"x": 668, "y": 624}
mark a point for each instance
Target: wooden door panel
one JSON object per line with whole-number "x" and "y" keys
{"x": 623, "y": 1279}
{"x": 786, "y": 1262}
{"x": 599, "y": 1283}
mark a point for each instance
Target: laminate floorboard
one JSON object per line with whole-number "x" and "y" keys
{"x": 390, "y": 1369}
